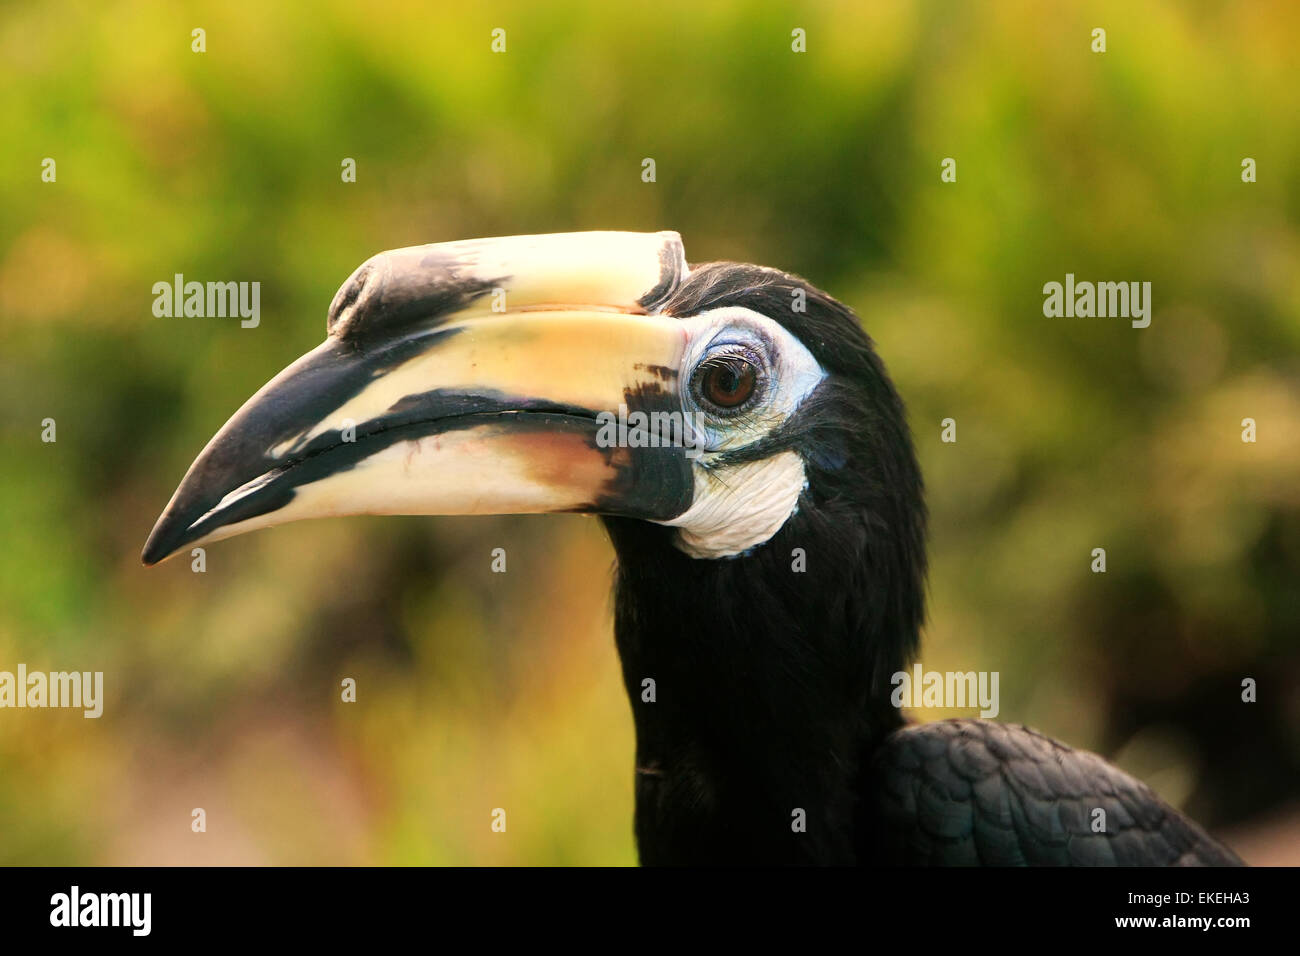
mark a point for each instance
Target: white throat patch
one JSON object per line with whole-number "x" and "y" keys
{"x": 722, "y": 524}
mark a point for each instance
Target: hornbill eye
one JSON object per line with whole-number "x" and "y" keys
{"x": 726, "y": 383}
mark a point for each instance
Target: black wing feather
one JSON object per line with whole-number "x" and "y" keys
{"x": 976, "y": 792}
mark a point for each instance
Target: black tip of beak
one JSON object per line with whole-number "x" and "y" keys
{"x": 213, "y": 474}
{"x": 292, "y": 402}
{"x": 158, "y": 546}
{"x": 172, "y": 531}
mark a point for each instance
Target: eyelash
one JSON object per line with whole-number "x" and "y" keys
{"x": 715, "y": 357}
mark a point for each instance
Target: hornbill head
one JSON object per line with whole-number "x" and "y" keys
{"x": 730, "y": 423}
{"x": 716, "y": 406}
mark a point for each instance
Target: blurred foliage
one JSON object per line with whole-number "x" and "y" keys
{"x": 479, "y": 691}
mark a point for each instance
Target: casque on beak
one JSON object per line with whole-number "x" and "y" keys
{"x": 460, "y": 378}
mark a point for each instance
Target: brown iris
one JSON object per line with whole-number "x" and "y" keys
{"x": 727, "y": 382}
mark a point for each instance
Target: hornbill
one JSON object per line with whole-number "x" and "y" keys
{"x": 770, "y": 546}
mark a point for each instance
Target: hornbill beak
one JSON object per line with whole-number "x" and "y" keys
{"x": 460, "y": 378}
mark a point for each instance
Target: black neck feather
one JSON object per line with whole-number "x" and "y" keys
{"x": 771, "y": 682}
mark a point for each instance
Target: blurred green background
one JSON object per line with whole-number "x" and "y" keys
{"x": 478, "y": 690}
